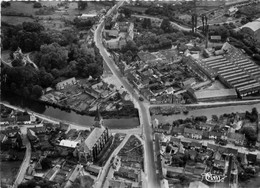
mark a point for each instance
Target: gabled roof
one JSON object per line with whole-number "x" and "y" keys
{"x": 236, "y": 136}
{"x": 254, "y": 26}
{"x": 93, "y": 138}
{"x": 192, "y": 131}
{"x": 68, "y": 143}
{"x": 212, "y": 147}
{"x": 196, "y": 144}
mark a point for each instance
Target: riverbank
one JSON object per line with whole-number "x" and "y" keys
{"x": 124, "y": 112}
{"x": 78, "y": 121}
{"x": 170, "y": 109}
{"x": 208, "y": 112}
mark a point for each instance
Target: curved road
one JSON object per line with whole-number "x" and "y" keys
{"x": 144, "y": 115}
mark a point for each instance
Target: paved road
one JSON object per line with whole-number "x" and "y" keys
{"x": 106, "y": 168}
{"x": 26, "y": 161}
{"x": 145, "y": 119}
{"x": 181, "y": 27}
{"x": 184, "y": 28}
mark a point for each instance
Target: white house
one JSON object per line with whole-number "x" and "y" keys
{"x": 63, "y": 84}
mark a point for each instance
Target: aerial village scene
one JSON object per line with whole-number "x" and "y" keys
{"x": 130, "y": 94}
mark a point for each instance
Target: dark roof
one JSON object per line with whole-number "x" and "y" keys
{"x": 195, "y": 144}
{"x": 251, "y": 157}
{"x": 213, "y": 133}
{"x": 38, "y": 129}
{"x": 23, "y": 118}
{"x": 212, "y": 147}
{"x": 230, "y": 151}
{"x": 192, "y": 131}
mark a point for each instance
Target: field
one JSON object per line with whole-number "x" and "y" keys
{"x": 52, "y": 21}
{"x": 20, "y": 7}
{"x": 15, "y": 20}
{"x": 5, "y": 56}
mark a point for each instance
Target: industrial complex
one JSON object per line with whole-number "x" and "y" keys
{"x": 232, "y": 68}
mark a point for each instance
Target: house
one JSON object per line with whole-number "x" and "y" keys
{"x": 189, "y": 82}
{"x": 205, "y": 127}
{"x": 192, "y": 133}
{"x": 116, "y": 163}
{"x": 192, "y": 154}
{"x": 65, "y": 83}
{"x": 164, "y": 128}
{"x": 212, "y": 147}
{"x": 197, "y": 184}
{"x": 130, "y": 174}
{"x": 24, "y": 118}
{"x": 214, "y": 135}
{"x": 155, "y": 123}
{"x": 177, "y": 131}
{"x": 170, "y": 90}
{"x": 3, "y": 137}
{"x": 236, "y": 138}
{"x": 32, "y": 136}
{"x": 219, "y": 164}
{"x": 229, "y": 151}
{"x": 119, "y": 184}
{"x": 251, "y": 158}
{"x": 175, "y": 141}
{"x": 215, "y": 38}
{"x": 92, "y": 169}
{"x": 232, "y": 10}
{"x": 69, "y": 143}
{"x": 217, "y": 155}
{"x": 196, "y": 145}
{"x": 38, "y": 130}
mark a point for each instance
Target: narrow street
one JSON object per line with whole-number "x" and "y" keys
{"x": 26, "y": 161}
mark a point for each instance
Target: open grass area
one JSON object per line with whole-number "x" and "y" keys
{"x": 20, "y": 7}
{"x": 15, "y": 20}
{"x": 5, "y": 55}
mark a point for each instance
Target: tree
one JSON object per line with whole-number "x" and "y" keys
{"x": 146, "y": 23}
{"x": 17, "y": 63}
{"x": 37, "y": 5}
{"x": 82, "y": 5}
{"x": 127, "y": 12}
{"x": 166, "y": 26}
{"x": 46, "y": 163}
{"x": 214, "y": 118}
{"x": 250, "y": 134}
{"x": 37, "y": 91}
{"x": 32, "y": 27}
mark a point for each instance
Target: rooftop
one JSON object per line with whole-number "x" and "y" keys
{"x": 93, "y": 138}
{"x": 254, "y": 26}
{"x": 215, "y": 93}
{"x": 68, "y": 143}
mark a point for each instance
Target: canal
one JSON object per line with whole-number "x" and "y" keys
{"x": 84, "y": 120}
{"x": 207, "y": 112}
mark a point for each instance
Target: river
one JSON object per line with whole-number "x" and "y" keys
{"x": 84, "y": 120}
{"x": 207, "y": 112}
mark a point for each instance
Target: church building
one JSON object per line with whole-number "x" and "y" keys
{"x": 96, "y": 141}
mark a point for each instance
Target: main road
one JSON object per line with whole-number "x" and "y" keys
{"x": 144, "y": 115}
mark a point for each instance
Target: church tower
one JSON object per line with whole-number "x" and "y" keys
{"x": 99, "y": 122}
